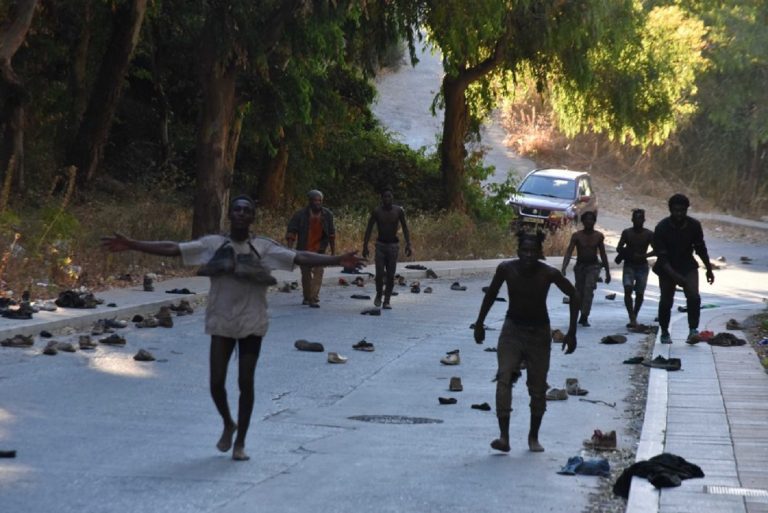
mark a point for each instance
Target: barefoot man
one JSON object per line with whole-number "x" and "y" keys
{"x": 526, "y": 333}
{"x": 633, "y": 251}
{"x": 239, "y": 266}
{"x": 588, "y": 243}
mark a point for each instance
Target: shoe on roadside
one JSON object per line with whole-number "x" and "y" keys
{"x": 671, "y": 364}
{"x": 455, "y": 384}
{"x": 50, "y": 348}
{"x": 427, "y": 290}
{"x": 451, "y": 359}
{"x": 363, "y": 345}
{"x": 458, "y": 286}
{"x": 611, "y": 296}
{"x": 613, "y": 339}
{"x": 447, "y": 400}
{"x": 431, "y": 274}
{"x": 66, "y": 347}
{"x": 482, "y": 407}
{"x": 148, "y": 322}
{"x": 557, "y": 394}
{"x": 732, "y": 324}
{"x": 371, "y": 311}
{"x": 573, "y": 388}
{"x": 305, "y": 345}
{"x": 557, "y": 336}
{"x": 18, "y": 341}
{"x": 164, "y": 317}
{"x": 336, "y": 358}
{"x": 86, "y": 343}
{"x": 144, "y": 356}
{"x": 601, "y": 441}
{"x": 113, "y": 340}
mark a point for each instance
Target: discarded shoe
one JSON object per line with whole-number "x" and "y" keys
{"x": 361, "y": 296}
{"x": 453, "y": 351}
{"x": 336, "y": 358}
{"x": 671, "y": 364}
{"x": 613, "y": 339}
{"x": 490, "y": 350}
{"x": 400, "y": 280}
{"x": 113, "y": 323}
{"x": 67, "y": 347}
{"x": 732, "y": 324}
{"x": 371, "y": 311}
{"x": 451, "y": 359}
{"x": 179, "y": 291}
{"x": 305, "y": 345}
{"x": 457, "y": 286}
{"x": 610, "y": 296}
{"x": 148, "y": 283}
{"x": 417, "y": 267}
{"x": 726, "y": 340}
{"x": 144, "y": 356}
{"x": 415, "y": 289}
{"x": 482, "y": 407}
{"x": 50, "y": 348}
{"x": 363, "y": 345}
{"x": 23, "y": 312}
{"x": 427, "y": 290}
{"x": 46, "y": 334}
{"x": 164, "y": 317}
{"x": 359, "y": 281}
{"x": 137, "y": 318}
{"x": 573, "y": 388}
{"x": 86, "y": 343}
{"x": 634, "y": 360}
{"x": 113, "y": 340}
{"x": 447, "y": 400}
{"x": 556, "y": 394}
{"x": 18, "y": 341}
{"x": 183, "y": 308}
{"x": 455, "y": 384}
{"x": 431, "y": 274}
{"x": 148, "y": 322}
{"x": 601, "y": 441}
{"x": 557, "y": 336}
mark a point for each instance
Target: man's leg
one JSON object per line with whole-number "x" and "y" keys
{"x": 250, "y": 347}
{"x": 693, "y": 299}
{"x": 591, "y": 273}
{"x": 221, "y": 351}
{"x": 380, "y": 261}
{"x": 317, "y": 282}
{"x": 641, "y": 280}
{"x": 392, "y": 252}
{"x": 508, "y": 356}
{"x": 666, "y": 299}
{"x": 579, "y": 274}
{"x": 627, "y": 279}
{"x": 306, "y": 284}
{"x": 537, "y": 352}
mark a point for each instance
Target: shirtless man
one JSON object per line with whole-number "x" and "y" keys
{"x": 386, "y": 217}
{"x": 633, "y": 251}
{"x": 588, "y": 242}
{"x": 526, "y": 333}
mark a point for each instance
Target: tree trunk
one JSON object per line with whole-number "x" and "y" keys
{"x": 79, "y": 67}
{"x": 272, "y": 187}
{"x": 13, "y": 95}
{"x": 87, "y": 150}
{"x": 217, "y": 138}
{"x": 452, "y": 150}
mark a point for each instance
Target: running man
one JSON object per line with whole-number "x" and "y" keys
{"x": 526, "y": 333}
{"x": 633, "y": 251}
{"x": 387, "y": 217}
{"x": 588, "y": 243}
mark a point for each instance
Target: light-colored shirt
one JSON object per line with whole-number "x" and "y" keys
{"x": 237, "y": 307}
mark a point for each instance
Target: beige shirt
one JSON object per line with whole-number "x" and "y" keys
{"x": 237, "y": 307}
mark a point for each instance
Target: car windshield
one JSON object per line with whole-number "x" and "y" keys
{"x": 548, "y": 186}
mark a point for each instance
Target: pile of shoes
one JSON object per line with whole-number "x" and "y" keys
{"x": 18, "y": 341}
{"x": 601, "y": 441}
{"x": 77, "y": 299}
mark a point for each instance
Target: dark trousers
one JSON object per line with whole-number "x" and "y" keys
{"x": 386, "y": 264}
{"x": 692, "y": 297}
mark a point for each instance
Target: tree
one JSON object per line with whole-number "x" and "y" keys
{"x": 15, "y": 20}
{"x": 568, "y": 46}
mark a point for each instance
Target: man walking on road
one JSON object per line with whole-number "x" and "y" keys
{"x": 314, "y": 228}
{"x": 675, "y": 239}
{"x": 588, "y": 243}
{"x": 239, "y": 267}
{"x": 633, "y": 251}
{"x": 526, "y": 333}
{"x": 386, "y": 217}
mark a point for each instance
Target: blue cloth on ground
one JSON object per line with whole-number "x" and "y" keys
{"x": 590, "y": 467}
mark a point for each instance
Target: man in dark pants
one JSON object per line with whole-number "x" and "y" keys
{"x": 236, "y": 313}
{"x": 633, "y": 251}
{"x": 675, "y": 239}
{"x": 314, "y": 228}
{"x": 526, "y": 333}
{"x": 386, "y": 217}
{"x": 588, "y": 243}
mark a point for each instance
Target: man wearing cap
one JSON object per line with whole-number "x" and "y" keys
{"x": 312, "y": 229}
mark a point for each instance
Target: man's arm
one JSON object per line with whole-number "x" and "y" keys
{"x": 488, "y": 300}
{"x": 574, "y": 302}
{"x": 292, "y": 232}
{"x": 119, "y": 242}
{"x": 368, "y": 231}
{"x": 700, "y": 247}
{"x": 406, "y": 233}
{"x": 568, "y": 253}
{"x": 348, "y": 259}
{"x": 604, "y": 259}
{"x": 620, "y": 247}
{"x": 331, "y": 232}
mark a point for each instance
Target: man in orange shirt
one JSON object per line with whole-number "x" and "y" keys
{"x": 313, "y": 227}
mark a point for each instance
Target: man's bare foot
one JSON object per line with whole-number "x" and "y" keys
{"x": 225, "y": 442}
{"x": 534, "y": 445}
{"x": 500, "y": 445}
{"x": 238, "y": 454}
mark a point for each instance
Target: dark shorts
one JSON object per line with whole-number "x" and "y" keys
{"x": 635, "y": 276}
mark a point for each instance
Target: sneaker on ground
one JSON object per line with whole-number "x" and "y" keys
{"x": 455, "y": 384}
{"x": 451, "y": 359}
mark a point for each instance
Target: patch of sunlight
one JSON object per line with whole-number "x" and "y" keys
{"x": 5, "y": 415}
{"x": 122, "y": 365}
